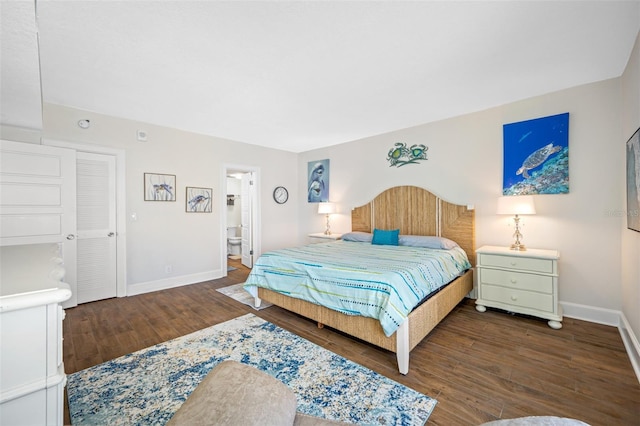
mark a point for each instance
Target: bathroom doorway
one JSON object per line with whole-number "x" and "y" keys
{"x": 241, "y": 215}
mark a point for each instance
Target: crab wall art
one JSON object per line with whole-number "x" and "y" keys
{"x": 399, "y": 155}
{"x": 536, "y": 156}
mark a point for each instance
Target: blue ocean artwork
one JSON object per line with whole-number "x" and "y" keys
{"x": 536, "y": 156}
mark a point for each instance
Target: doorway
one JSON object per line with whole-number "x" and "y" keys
{"x": 241, "y": 215}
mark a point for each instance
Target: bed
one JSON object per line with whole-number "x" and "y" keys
{"x": 413, "y": 211}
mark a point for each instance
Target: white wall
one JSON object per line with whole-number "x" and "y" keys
{"x": 164, "y": 234}
{"x": 630, "y": 239}
{"x": 465, "y": 167}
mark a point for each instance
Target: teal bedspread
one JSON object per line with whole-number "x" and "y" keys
{"x": 355, "y": 278}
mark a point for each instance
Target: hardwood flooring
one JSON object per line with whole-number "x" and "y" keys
{"x": 479, "y": 366}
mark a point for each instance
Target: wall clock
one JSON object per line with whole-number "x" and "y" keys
{"x": 280, "y": 194}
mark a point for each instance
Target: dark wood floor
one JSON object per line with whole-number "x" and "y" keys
{"x": 479, "y": 366}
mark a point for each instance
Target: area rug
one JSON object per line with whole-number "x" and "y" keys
{"x": 148, "y": 386}
{"x": 237, "y": 292}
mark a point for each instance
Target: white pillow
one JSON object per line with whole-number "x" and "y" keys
{"x": 361, "y": 237}
{"x": 427, "y": 242}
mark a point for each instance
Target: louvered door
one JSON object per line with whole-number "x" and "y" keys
{"x": 96, "y": 222}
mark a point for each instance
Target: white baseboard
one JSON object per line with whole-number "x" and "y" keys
{"x": 149, "y": 286}
{"x": 591, "y": 314}
{"x": 612, "y": 318}
{"x": 631, "y": 344}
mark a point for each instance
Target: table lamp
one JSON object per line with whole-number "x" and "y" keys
{"x": 516, "y": 205}
{"x": 327, "y": 209}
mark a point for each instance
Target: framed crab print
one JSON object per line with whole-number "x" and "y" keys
{"x": 536, "y": 156}
{"x": 159, "y": 187}
{"x": 198, "y": 200}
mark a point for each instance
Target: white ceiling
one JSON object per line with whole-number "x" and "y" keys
{"x": 299, "y": 75}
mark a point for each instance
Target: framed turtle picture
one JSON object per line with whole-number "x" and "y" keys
{"x": 536, "y": 156}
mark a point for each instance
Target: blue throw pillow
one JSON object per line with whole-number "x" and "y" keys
{"x": 385, "y": 238}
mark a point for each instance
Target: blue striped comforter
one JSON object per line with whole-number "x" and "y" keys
{"x": 355, "y": 278}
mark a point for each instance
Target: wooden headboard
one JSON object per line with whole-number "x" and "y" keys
{"x": 416, "y": 211}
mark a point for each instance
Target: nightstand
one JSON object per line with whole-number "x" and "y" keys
{"x": 321, "y": 237}
{"x": 525, "y": 282}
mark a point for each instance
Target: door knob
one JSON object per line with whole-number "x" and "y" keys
{"x": 111, "y": 234}
{"x": 71, "y": 237}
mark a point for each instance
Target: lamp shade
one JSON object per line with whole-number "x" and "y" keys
{"x": 326, "y": 208}
{"x": 520, "y": 204}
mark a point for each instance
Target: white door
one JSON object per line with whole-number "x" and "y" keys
{"x": 246, "y": 218}
{"x": 38, "y": 201}
{"x": 96, "y": 235}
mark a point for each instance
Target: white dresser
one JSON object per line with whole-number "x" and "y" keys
{"x": 524, "y": 282}
{"x": 32, "y": 377}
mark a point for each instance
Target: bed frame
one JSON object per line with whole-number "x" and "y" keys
{"x": 415, "y": 211}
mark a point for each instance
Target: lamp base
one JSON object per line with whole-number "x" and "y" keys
{"x": 518, "y": 247}
{"x": 328, "y": 230}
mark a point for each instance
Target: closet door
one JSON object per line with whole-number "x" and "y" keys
{"x": 96, "y": 217}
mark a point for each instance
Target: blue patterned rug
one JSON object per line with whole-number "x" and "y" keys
{"x": 148, "y": 386}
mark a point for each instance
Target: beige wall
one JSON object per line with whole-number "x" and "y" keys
{"x": 630, "y": 239}
{"x": 164, "y": 234}
{"x": 465, "y": 167}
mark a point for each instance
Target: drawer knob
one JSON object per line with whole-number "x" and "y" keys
{"x": 513, "y": 281}
{"x": 514, "y": 298}
{"x": 513, "y": 263}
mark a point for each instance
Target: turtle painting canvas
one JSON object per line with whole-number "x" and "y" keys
{"x": 536, "y": 156}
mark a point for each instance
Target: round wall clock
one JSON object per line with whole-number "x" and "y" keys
{"x": 280, "y": 194}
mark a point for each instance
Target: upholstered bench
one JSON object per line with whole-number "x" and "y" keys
{"x": 238, "y": 394}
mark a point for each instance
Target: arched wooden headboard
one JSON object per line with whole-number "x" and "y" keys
{"x": 416, "y": 211}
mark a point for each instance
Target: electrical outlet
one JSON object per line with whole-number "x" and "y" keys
{"x": 168, "y": 269}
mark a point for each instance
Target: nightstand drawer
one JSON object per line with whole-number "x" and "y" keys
{"x": 516, "y": 280}
{"x": 519, "y": 298}
{"x": 514, "y": 262}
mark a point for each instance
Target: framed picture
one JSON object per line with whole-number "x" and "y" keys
{"x": 536, "y": 156}
{"x": 633, "y": 182}
{"x": 159, "y": 187}
{"x": 198, "y": 200}
{"x": 318, "y": 181}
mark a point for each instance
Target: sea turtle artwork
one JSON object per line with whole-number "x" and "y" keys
{"x": 537, "y": 158}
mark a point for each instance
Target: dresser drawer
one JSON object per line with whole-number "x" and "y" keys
{"x": 520, "y": 263}
{"x": 518, "y": 298}
{"x": 516, "y": 280}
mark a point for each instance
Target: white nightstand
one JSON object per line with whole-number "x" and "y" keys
{"x": 321, "y": 237}
{"x": 525, "y": 282}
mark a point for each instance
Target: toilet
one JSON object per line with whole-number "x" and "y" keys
{"x": 234, "y": 240}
